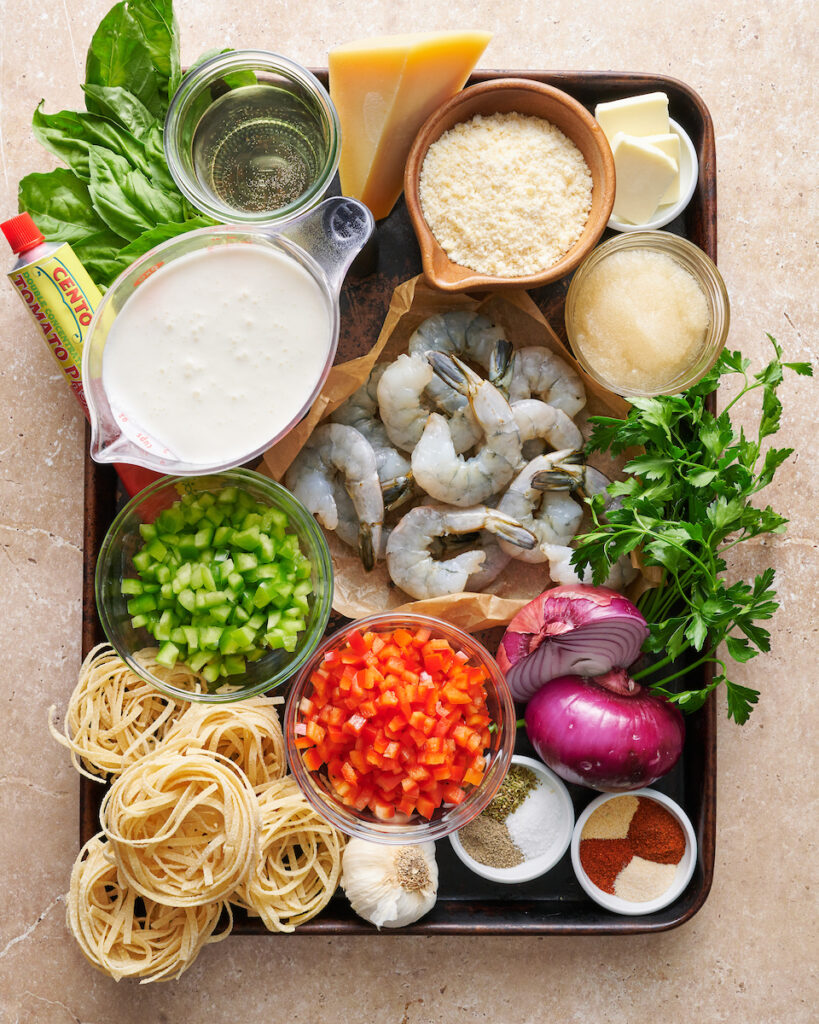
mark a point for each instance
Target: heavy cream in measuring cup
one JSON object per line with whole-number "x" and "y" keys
{"x": 218, "y": 351}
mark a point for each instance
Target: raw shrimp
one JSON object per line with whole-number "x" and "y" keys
{"x": 449, "y": 477}
{"x": 466, "y": 334}
{"x": 413, "y": 568}
{"x": 537, "y": 420}
{"x": 335, "y": 448}
{"x": 552, "y": 516}
{"x": 588, "y": 481}
{"x": 404, "y": 411}
{"x": 538, "y": 371}
{"x": 347, "y": 528}
{"x": 563, "y": 572}
{"x": 361, "y": 412}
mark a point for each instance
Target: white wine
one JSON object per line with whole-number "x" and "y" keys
{"x": 259, "y": 147}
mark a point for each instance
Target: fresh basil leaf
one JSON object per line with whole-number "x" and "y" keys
{"x": 160, "y": 34}
{"x": 104, "y": 270}
{"x": 124, "y": 197}
{"x": 121, "y": 106}
{"x": 158, "y": 165}
{"x": 60, "y": 205}
{"x": 118, "y": 56}
{"x": 102, "y": 244}
{"x": 69, "y": 136}
{"x": 161, "y": 233}
{"x": 235, "y": 79}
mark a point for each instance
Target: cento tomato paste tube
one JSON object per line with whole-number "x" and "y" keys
{"x": 61, "y": 299}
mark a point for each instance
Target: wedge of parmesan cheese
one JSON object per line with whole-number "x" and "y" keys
{"x": 384, "y": 89}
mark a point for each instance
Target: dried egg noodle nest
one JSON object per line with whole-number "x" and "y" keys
{"x": 131, "y": 937}
{"x": 248, "y": 733}
{"x": 300, "y": 864}
{"x": 114, "y": 717}
{"x": 183, "y": 826}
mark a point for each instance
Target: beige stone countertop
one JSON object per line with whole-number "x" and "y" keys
{"x": 745, "y": 956}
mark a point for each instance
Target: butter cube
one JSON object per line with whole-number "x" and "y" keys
{"x": 644, "y": 174}
{"x": 670, "y": 145}
{"x": 637, "y": 115}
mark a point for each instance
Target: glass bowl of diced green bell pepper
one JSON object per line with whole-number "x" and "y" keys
{"x": 214, "y": 588}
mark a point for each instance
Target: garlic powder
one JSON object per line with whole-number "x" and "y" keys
{"x": 505, "y": 194}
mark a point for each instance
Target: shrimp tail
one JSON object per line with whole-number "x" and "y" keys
{"x": 366, "y": 550}
{"x": 510, "y": 530}
{"x": 567, "y": 473}
{"x": 501, "y": 365}
{"x": 397, "y": 491}
{"x": 454, "y": 372}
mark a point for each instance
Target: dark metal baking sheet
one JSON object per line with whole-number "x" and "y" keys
{"x": 553, "y": 904}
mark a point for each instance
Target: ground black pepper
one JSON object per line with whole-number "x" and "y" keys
{"x": 488, "y": 842}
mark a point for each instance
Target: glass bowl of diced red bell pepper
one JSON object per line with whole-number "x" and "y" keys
{"x": 400, "y": 728}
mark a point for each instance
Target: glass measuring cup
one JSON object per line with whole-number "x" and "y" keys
{"x": 322, "y": 242}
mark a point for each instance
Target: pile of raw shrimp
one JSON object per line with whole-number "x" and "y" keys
{"x": 498, "y": 453}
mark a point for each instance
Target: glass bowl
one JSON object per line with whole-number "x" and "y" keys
{"x": 123, "y": 540}
{"x": 447, "y": 818}
{"x": 705, "y": 273}
{"x": 228, "y": 86}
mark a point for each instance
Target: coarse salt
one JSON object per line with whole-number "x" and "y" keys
{"x": 539, "y": 821}
{"x": 505, "y": 194}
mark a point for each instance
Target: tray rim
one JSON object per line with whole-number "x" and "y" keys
{"x": 100, "y": 489}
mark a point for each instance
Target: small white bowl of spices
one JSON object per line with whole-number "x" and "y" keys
{"x": 524, "y": 831}
{"x": 634, "y": 853}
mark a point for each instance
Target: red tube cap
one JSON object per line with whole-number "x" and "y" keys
{"x": 22, "y": 233}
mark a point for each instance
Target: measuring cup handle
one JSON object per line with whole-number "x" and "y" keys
{"x": 333, "y": 234}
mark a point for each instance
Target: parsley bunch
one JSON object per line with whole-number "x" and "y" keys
{"x": 686, "y": 502}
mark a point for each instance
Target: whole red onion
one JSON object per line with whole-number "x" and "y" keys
{"x": 606, "y": 732}
{"x": 569, "y": 630}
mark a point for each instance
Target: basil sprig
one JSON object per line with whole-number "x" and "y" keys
{"x": 117, "y": 198}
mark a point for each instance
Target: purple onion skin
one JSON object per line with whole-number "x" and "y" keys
{"x": 610, "y": 741}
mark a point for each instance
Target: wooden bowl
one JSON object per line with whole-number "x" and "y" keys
{"x": 505, "y": 95}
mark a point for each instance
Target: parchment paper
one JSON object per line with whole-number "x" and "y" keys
{"x": 358, "y": 593}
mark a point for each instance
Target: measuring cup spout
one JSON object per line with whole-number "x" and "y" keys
{"x": 333, "y": 233}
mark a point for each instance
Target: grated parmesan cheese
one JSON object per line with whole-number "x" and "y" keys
{"x": 505, "y": 194}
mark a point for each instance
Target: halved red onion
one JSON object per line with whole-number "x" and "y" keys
{"x": 608, "y": 733}
{"x": 571, "y": 630}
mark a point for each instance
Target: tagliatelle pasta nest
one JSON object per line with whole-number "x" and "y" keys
{"x": 199, "y": 813}
{"x": 183, "y": 826}
{"x": 128, "y": 936}
{"x": 115, "y": 717}
{"x": 248, "y": 733}
{"x": 300, "y": 862}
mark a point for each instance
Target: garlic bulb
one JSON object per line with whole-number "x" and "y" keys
{"x": 389, "y": 886}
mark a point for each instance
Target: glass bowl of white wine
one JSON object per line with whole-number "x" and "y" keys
{"x": 251, "y": 137}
